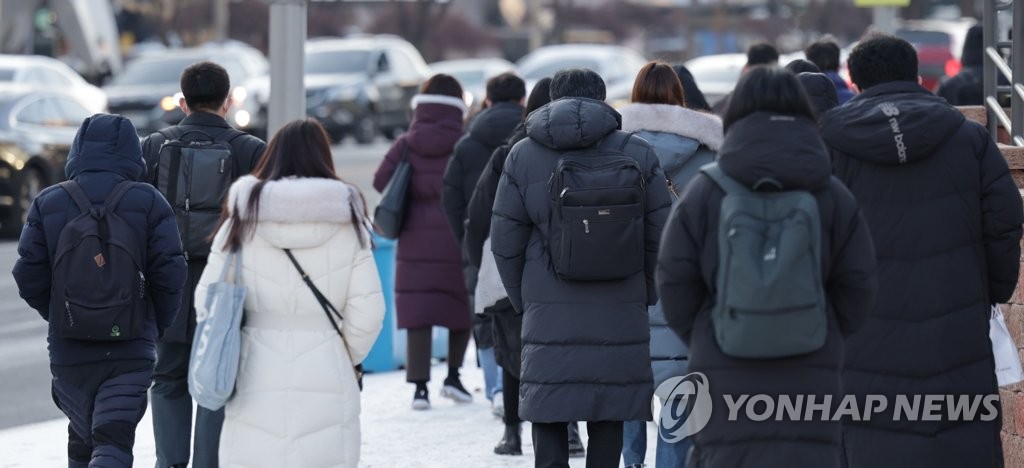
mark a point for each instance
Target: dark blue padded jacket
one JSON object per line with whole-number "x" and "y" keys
{"x": 105, "y": 152}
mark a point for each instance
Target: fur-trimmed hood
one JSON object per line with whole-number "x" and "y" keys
{"x": 297, "y": 212}
{"x": 678, "y": 120}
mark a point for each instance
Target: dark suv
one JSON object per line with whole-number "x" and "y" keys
{"x": 362, "y": 86}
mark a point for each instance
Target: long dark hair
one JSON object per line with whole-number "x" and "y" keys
{"x": 301, "y": 148}
{"x": 694, "y": 97}
{"x": 767, "y": 88}
{"x": 657, "y": 83}
{"x": 540, "y": 96}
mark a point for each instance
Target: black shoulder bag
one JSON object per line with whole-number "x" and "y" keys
{"x": 390, "y": 213}
{"x": 328, "y": 309}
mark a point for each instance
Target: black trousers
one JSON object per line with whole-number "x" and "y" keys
{"x": 172, "y": 413}
{"x": 510, "y": 396}
{"x": 104, "y": 402}
{"x": 551, "y": 444}
{"x": 417, "y": 352}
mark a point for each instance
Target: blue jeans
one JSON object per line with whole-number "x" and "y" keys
{"x": 634, "y": 447}
{"x": 172, "y": 413}
{"x": 492, "y": 372}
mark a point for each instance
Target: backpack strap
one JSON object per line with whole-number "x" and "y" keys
{"x": 115, "y": 195}
{"x": 618, "y": 138}
{"x": 731, "y": 187}
{"x": 78, "y": 195}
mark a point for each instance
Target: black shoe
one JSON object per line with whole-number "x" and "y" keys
{"x": 453, "y": 389}
{"x": 421, "y": 399}
{"x": 511, "y": 443}
{"x": 576, "y": 449}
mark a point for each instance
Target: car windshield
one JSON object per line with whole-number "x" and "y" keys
{"x": 7, "y": 74}
{"x": 150, "y": 72}
{"x": 337, "y": 61}
{"x": 546, "y": 68}
{"x": 469, "y": 78}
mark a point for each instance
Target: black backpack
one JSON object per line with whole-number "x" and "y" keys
{"x": 194, "y": 172}
{"x": 597, "y": 213}
{"x": 98, "y": 291}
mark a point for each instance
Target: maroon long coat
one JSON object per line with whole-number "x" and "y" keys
{"x": 429, "y": 289}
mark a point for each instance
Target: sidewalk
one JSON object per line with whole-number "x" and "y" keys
{"x": 393, "y": 435}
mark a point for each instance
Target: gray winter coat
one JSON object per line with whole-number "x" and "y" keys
{"x": 684, "y": 140}
{"x": 585, "y": 344}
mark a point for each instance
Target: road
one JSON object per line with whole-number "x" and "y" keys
{"x": 24, "y": 368}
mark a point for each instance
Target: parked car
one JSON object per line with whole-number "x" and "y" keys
{"x": 473, "y": 75}
{"x": 939, "y": 44}
{"x": 716, "y": 75}
{"x": 362, "y": 86}
{"x": 49, "y": 73}
{"x": 616, "y": 64}
{"x": 37, "y": 128}
{"x": 148, "y": 90}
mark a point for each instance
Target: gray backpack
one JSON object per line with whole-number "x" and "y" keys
{"x": 770, "y": 299}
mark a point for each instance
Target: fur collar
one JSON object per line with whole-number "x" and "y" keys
{"x": 700, "y": 126}
{"x": 440, "y": 99}
{"x": 296, "y": 200}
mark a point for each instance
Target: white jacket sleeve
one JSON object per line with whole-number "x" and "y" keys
{"x": 363, "y": 313}
{"x": 211, "y": 273}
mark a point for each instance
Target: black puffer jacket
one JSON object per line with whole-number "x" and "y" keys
{"x": 488, "y": 131}
{"x": 585, "y": 344}
{"x": 246, "y": 151}
{"x": 946, "y": 219}
{"x": 789, "y": 150}
{"x": 821, "y": 90}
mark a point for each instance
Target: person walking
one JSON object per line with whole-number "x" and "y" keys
{"x": 966, "y": 88}
{"x": 586, "y": 354}
{"x": 946, "y": 219}
{"x": 226, "y": 155}
{"x": 684, "y": 140}
{"x": 820, "y": 90}
{"x": 771, "y": 144}
{"x": 100, "y": 380}
{"x": 825, "y": 54}
{"x": 489, "y": 129}
{"x": 694, "y": 96}
{"x": 429, "y": 287}
{"x": 296, "y": 372}
{"x": 759, "y": 54}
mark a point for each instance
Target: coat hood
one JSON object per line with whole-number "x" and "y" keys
{"x": 784, "y": 148}
{"x": 436, "y": 125}
{"x": 492, "y": 126}
{"x": 325, "y": 208}
{"x": 821, "y": 90}
{"x": 572, "y": 123}
{"x": 667, "y": 118}
{"x": 890, "y": 124}
{"x": 106, "y": 143}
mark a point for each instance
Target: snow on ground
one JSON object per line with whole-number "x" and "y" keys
{"x": 393, "y": 435}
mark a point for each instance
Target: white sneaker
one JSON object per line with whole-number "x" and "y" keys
{"x": 455, "y": 391}
{"x": 498, "y": 405}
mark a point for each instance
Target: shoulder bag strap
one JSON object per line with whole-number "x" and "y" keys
{"x": 328, "y": 309}
{"x": 728, "y": 184}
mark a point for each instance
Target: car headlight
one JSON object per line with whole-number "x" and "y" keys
{"x": 239, "y": 94}
{"x": 168, "y": 103}
{"x": 243, "y": 118}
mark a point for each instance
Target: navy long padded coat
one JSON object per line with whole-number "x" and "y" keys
{"x": 787, "y": 149}
{"x": 946, "y": 219}
{"x": 429, "y": 287}
{"x": 105, "y": 152}
{"x": 586, "y": 354}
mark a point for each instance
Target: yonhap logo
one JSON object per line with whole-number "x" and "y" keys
{"x": 685, "y": 406}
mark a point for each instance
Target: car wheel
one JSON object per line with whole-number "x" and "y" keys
{"x": 392, "y": 133}
{"x": 365, "y": 130}
{"x": 30, "y": 185}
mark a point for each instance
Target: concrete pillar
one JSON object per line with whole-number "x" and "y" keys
{"x": 287, "y": 62}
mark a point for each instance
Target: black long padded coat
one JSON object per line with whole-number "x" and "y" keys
{"x": 788, "y": 150}
{"x": 946, "y": 219}
{"x": 586, "y": 353}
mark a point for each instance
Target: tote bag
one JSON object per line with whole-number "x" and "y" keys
{"x": 1008, "y": 369}
{"x": 390, "y": 213}
{"x": 216, "y": 348}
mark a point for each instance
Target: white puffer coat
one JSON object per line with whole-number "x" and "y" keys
{"x": 296, "y": 401}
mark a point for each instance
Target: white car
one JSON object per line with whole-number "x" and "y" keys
{"x": 52, "y": 75}
{"x": 716, "y": 75}
{"x": 473, "y": 75}
{"x": 616, "y": 64}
